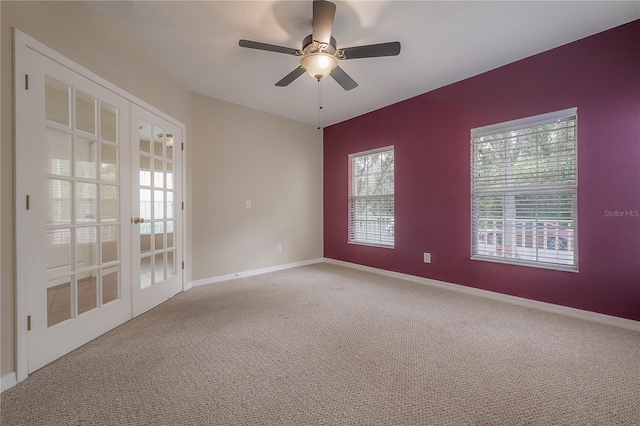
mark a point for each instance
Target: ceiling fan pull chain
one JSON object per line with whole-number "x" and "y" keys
{"x": 319, "y": 100}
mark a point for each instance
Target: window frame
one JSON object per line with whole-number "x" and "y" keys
{"x": 351, "y": 197}
{"x": 571, "y": 189}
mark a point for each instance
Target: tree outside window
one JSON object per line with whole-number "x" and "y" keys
{"x": 524, "y": 184}
{"x": 371, "y": 194}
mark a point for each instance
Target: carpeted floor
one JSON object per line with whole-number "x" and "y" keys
{"x": 322, "y": 344}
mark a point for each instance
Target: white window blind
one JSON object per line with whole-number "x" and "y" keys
{"x": 371, "y": 197}
{"x": 524, "y": 191}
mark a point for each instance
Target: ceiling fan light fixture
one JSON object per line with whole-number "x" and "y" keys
{"x": 319, "y": 65}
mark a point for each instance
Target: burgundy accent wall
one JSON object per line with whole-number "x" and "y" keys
{"x": 600, "y": 75}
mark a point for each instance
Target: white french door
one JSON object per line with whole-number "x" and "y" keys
{"x": 72, "y": 207}
{"x": 156, "y": 158}
{"x": 89, "y": 160}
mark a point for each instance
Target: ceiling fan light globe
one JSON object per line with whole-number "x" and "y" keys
{"x": 319, "y": 65}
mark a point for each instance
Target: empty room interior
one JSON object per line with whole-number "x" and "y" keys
{"x": 203, "y": 220}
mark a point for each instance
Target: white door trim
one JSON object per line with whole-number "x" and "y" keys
{"x": 23, "y": 43}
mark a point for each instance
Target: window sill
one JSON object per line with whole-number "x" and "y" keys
{"x": 549, "y": 266}
{"x": 358, "y": 243}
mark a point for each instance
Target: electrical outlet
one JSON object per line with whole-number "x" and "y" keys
{"x": 279, "y": 248}
{"x": 247, "y": 204}
{"x": 427, "y": 258}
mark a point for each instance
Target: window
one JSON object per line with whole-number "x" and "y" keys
{"x": 146, "y": 205}
{"x": 524, "y": 191}
{"x": 371, "y": 202}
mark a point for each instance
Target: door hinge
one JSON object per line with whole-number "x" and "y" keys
{"x": 182, "y": 146}
{"x": 183, "y": 205}
{"x": 183, "y": 264}
{"x": 26, "y": 81}
{"x": 28, "y": 202}
{"x": 28, "y": 322}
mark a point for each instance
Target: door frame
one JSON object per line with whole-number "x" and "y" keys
{"x": 23, "y": 43}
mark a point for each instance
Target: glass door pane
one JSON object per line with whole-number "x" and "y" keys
{"x": 56, "y": 101}
{"x": 58, "y": 302}
{"x": 87, "y": 296}
{"x": 85, "y": 113}
{"x": 110, "y": 284}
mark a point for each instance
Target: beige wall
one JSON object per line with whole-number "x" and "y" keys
{"x": 72, "y": 29}
{"x": 233, "y": 154}
{"x": 244, "y": 154}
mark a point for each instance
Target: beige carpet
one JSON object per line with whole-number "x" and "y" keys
{"x": 322, "y": 345}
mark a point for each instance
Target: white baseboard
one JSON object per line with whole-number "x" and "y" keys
{"x": 543, "y": 306}
{"x": 228, "y": 277}
{"x": 8, "y": 381}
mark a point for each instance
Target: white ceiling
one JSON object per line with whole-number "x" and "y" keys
{"x": 442, "y": 42}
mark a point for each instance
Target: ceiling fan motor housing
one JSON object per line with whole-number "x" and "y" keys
{"x": 311, "y": 46}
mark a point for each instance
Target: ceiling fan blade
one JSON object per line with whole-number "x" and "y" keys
{"x": 288, "y": 79}
{"x": 343, "y": 79}
{"x": 323, "y": 14}
{"x": 269, "y": 47}
{"x": 372, "y": 50}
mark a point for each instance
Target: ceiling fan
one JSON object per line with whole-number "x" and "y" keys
{"x": 320, "y": 54}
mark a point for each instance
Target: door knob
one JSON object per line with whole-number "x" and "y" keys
{"x": 138, "y": 220}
